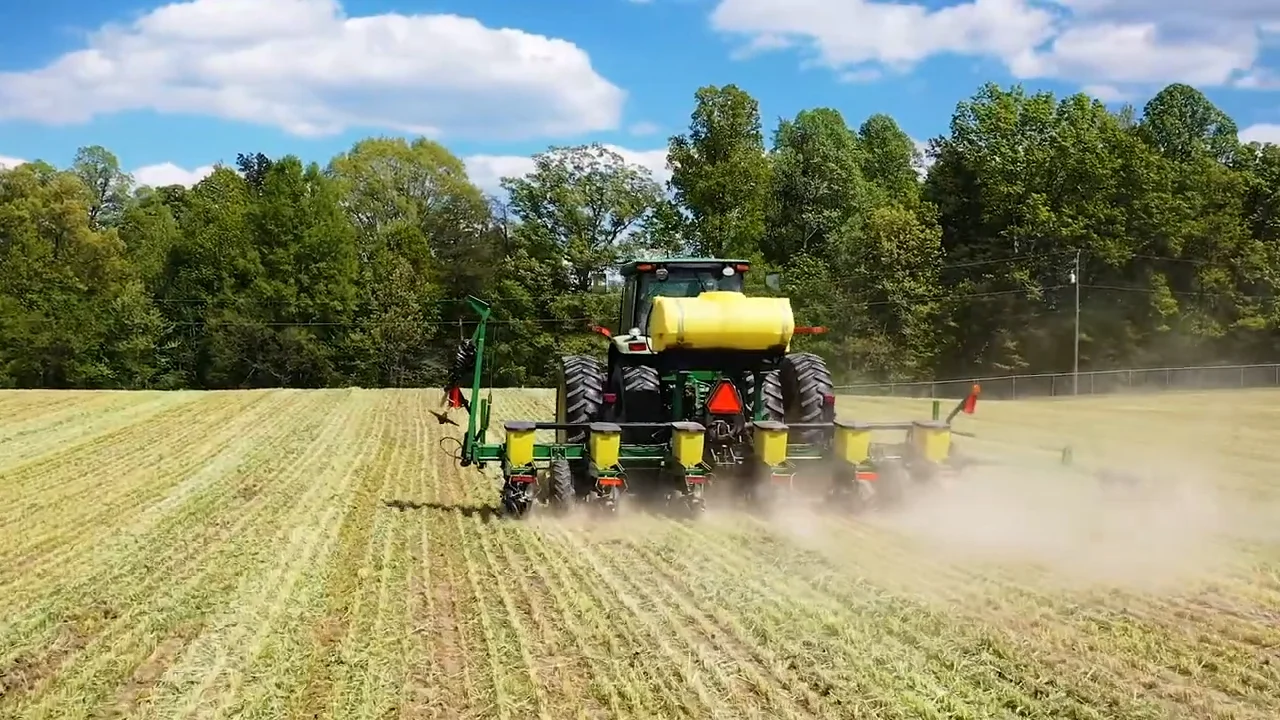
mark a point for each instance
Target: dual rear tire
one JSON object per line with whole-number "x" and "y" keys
{"x": 797, "y": 393}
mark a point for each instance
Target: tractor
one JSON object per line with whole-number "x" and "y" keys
{"x": 698, "y": 387}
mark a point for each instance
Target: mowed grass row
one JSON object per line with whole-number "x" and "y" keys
{"x": 319, "y": 554}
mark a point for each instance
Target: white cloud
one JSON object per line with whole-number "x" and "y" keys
{"x": 655, "y": 160}
{"x": 851, "y": 32}
{"x": 1261, "y": 133}
{"x": 926, "y": 162}
{"x": 487, "y": 171}
{"x": 1259, "y": 79}
{"x": 306, "y": 67}
{"x": 157, "y": 175}
{"x": 169, "y": 174}
{"x": 1103, "y": 43}
{"x": 1137, "y": 53}
{"x": 1106, "y": 93}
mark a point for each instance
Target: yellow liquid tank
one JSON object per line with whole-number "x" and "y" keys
{"x": 721, "y": 320}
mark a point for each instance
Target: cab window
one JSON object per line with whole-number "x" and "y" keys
{"x": 681, "y": 283}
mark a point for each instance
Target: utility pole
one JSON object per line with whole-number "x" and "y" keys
{"x": 1075, "y": 365}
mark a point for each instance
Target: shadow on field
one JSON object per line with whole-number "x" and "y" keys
{"x": 486, "y": 513}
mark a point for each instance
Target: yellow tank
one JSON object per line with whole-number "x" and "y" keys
{"x": 720, "y": 320}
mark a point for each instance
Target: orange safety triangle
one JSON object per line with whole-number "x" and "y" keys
{"x": 724, "y": 400}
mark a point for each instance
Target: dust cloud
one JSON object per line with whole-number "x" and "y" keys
{"x": 1145, "y": 525}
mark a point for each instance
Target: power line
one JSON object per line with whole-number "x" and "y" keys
{"x": 1022, "y": 291}
{"x": 1192, "y": 293}
{"x": 1011, "y": 258}
{"x": 1192, "y": 261}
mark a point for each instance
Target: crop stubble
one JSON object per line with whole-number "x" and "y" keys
{"x": 319, "y": 554}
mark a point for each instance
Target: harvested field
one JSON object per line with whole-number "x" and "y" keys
{"x": 290, "y": 554}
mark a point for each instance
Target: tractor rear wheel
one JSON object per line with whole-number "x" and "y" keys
{"x": 771, "y": 394}
{"x": 805, "y": 385}
{"x": 579, "y": 398}
{"x": 641, "y": 401}
{"x": 579, "y": 395}
{"x": 796, "y": 392}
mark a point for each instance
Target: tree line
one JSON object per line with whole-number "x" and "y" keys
{"x": 280, "y": 273}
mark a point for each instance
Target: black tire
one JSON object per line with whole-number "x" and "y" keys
{"x": 805, "y": 384}
{"x": 579, "y": 395}
{"x": 641, "y": 401}
{"x": 516, "y": 501}
{"x": 560, "y": 495}
{"x": 464, "y": 363}
{"x": 771, "y": 394}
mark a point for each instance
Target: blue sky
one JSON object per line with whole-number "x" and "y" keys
{"x": 173, "y": 88}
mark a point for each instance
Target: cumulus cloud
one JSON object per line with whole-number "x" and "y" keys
{"x": 1106, "y": 44}
{"x": 487, "y": 171}
{"x": 846, "y": 33}
{"x": 308, "y": 68}
{"x": 1261, "y": 133}
{"x": 1106, "y": 93}
{"x": 157, "y": 175}
{"x": 169, "y": 174}
{"x": 1109, "y": 52}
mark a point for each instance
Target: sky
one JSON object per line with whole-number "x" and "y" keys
{"x": 175, "y": 88}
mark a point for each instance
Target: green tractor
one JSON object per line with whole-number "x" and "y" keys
{"x": 698, "y": 386}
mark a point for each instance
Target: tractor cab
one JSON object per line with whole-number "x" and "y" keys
{"x": 680, "y": 277}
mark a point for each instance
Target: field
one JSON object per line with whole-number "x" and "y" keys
{"x": 289, "y": 554}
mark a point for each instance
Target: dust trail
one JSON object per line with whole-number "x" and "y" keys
{"x": 1169, "y": 527}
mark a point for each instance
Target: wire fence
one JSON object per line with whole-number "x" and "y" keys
{"x": 1097, "y": 382}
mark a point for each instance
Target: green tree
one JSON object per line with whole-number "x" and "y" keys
{"x": 818, "y": 189}
{"x": 720, "y": 173}
{"x": 578, "y": 206}
{"x": 889, "y": 159}
{"x": 108, "y": 186}
{"x": 1181, "y": 123}
{"x": 423, "y": 233}
{"x": 206, "y": 278}
{"x": 73, "y": 312}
